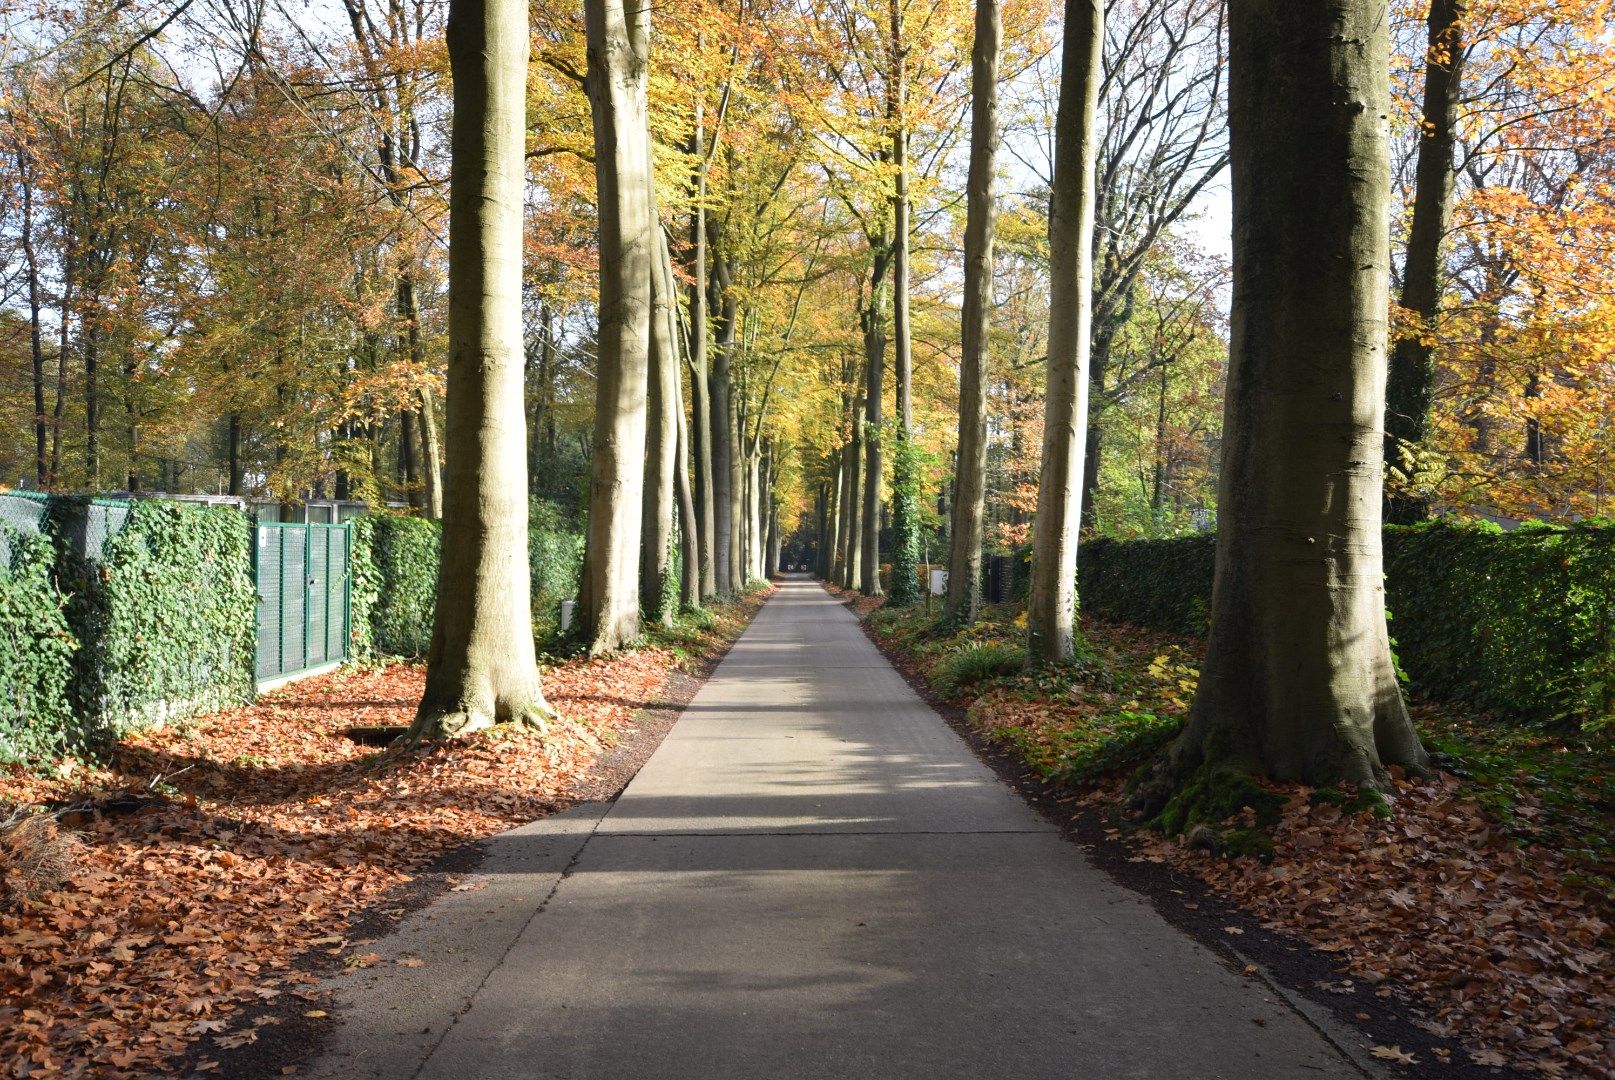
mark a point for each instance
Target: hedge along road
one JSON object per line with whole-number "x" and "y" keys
{"x": 813, "y": 876}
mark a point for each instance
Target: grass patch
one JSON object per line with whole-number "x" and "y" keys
{"x": 973, "y": 664}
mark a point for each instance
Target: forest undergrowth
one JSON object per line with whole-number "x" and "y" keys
{"x": 200, "y": 865}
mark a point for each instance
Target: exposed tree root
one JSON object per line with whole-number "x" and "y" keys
{"x": 441, "y": 726}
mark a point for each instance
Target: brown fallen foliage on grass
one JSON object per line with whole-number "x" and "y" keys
{"x": 862, "y": 605}
{"x": 219, "y": 852}
{"x": 1477, "y": 901}
{"x": 1434, "y": 905}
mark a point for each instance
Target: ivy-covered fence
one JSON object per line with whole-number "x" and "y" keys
{"x": 165, "y": 613}
{"x": 115, "y": 615}
{"x": 36, "y": 651}
{"x": 118, "y": 614}
{"x": 394, "y": 585}
{"x": 395, "y": 578}
{"x": 1521, "y": 622}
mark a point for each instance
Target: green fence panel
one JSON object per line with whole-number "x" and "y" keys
{"x": 304, "y": 583}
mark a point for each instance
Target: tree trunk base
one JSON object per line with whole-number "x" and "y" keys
{"x": 1203, "y": 780}
{"x": 444, "y": 724}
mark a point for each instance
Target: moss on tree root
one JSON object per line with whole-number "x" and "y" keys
{"x": 1204, "y": 808}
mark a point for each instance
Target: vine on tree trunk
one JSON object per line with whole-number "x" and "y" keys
{"x": 907, "y": 470}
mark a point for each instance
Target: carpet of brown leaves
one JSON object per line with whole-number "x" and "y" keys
{"x": 219, "y": 852}
{"x": 1435, "y": 906}
{"x": 862, "y": 605}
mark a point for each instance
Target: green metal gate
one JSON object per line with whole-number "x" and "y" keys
{"x": 303, "y": 580}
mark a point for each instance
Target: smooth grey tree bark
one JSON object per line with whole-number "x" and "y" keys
{"x": 725, "y": 460}
{"x": 755, "y": 471}
{"x": 826, "y": 530}
{"x": 1297, "y": 682}
{"x": 657, "y": 586}
{"x": 905, "y": 507}
{"x": 689, "y": 528}
{"x": 618, "y": 43}
{"x": 481, "y": 668}
{"x": 981, "y": 212}
{"x": 1051, "y": 611}
{"x": 431, "y": 453}
{"x": 874, "y": 328}
{"x": 1412, "y": 371}
{"x": 852, "y": 564}
{"x": 830, "y": 530}
{"x": 737, "y": 505}
{"x": 846, "y": 495}
{"x": 700, "y": 390}
{"x": 771, "y": 550}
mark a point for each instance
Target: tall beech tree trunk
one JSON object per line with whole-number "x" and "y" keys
{"x": 845, "y": 492}
{"x": 237, "y": 479}
{"x": 700, "y": 388}
{"x": 826, "y": 528}
{"x": 1051, "y": 612}
{"x": 829, "y": 559}
{"x": 1297, "y": 682}
{"x": 737, "y": 497}
{"x": 541, "y": 395}
{"x": 618, "y": 42}
{"x": 689, "y": 531}
{"x": 970, "y": 474}
{"x": 1407, "y": 406}
{"x": 905, "y": 507}
{"x": 874, "y": 328}
{"x": 481, "y": 668}
{"x": 701, "y": 452}
{"x": 432, "y": 453}
{"x": 720, "y": 404}
{"x": 1158, "y": 470}
{"x": 757, "y": 471}
{"x": 852, "y": 563}
{"x": 406, "y": 460}
{"x": 765, "y": 509}
{"x": 771, "y": 551}
{"x": 689, "y": 526}
{"x": 657, "y": 587}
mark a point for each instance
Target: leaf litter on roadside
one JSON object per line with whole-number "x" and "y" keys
{"x": 1496, "y": 930}
{"x": 218, "y": 852}
{"x": 1495, "y": 943}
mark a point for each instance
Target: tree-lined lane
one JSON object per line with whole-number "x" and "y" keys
{"x": 814, "y": 877}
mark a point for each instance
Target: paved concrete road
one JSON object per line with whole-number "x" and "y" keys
{"x": 812, "y": 877}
